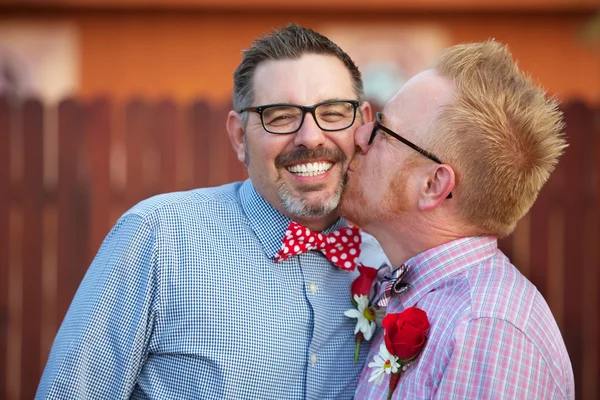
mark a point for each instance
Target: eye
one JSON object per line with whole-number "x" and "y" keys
{"x": 333, "y": 112}
{"x": 281, "y": 116}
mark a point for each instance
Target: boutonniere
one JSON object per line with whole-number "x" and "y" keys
{"x": 404, "y": 338}
{"x": 364, "y": 314}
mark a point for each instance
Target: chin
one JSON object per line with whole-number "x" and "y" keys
{"x": 314, "y": 207}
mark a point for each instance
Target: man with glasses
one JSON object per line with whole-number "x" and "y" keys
{"x": 455, "y": 159}
{"x": 235, "y": 292}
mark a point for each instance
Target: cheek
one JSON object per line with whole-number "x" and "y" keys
{"x": 263, "y": 150}
{"x": 345, "y": 142}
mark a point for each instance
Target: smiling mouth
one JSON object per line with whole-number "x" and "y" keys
{"x": 310, "y": 169}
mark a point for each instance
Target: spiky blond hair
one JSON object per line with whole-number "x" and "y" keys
{"x": 501, "y": 134}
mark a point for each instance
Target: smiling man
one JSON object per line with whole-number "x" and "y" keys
{"x": 207, "y": 294}
{"x": 452, "y": 163}
{"x": 298, "y": 164}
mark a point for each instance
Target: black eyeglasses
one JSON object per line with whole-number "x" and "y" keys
{"x": 377, "y": 126}
{"x": 284, "y": 119}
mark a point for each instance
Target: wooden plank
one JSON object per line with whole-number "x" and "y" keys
{"x": 70, "y": 131}
{"x": 539, "y": 226}
{"x": 137, "y": 125}
{"x": 591, "y": 275}
{"x": 168, "y": 133}
{"x": 596, "y": 149}
{"x": 33, "y": 140}
{"x": 554, "y": 258}
{"x": 314, "y": 5}
{"x": 199, "y": 134}
{"x": 220, "y": 147}
{"x": 5, "y": 190}
{"x": 98, "y": 131}
{"x": 506, "y": 246}
{"x": 578, "y": 119}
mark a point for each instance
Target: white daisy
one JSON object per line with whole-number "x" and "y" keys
{"x": 383, "y": 363}
{"x": 365, "y": 317}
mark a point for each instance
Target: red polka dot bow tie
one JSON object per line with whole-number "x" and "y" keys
{"x": 341, "y": 247}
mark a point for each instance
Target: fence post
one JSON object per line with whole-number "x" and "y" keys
{"x": 5, "y": 199}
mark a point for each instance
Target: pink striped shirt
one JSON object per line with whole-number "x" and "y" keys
{"x": 492, "y": 334}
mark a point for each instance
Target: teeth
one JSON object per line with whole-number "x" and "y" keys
{"x": 310, "y": 169}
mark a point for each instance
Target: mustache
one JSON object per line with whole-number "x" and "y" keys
{"x": 301, "y": 155}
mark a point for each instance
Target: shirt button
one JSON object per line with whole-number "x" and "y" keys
{"x": 313, "y": 358}
{"x": 313, "y": 288}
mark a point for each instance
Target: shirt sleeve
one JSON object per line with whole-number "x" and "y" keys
{"x": 103, "y": 340}
{"x": 492, "y": 359}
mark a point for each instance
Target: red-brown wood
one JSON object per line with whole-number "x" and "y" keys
{"x": 32, "y": 203}
{"x": 200, "y": 133}
{"x": 596, "y": 149}
{"x": 138, "y": 125}
{"x": 220, "y": 147}
{"x": 578, "y": 117}
{"x": 5, "y": 191}
{"x": 506, "y": 246}
{"x": 169, "y": 134}
{"x": 538, "y": 259}
{"x": 99, "y": 134}
{"x": 319, "y": 5}
{"x": 84, "y": 202}
{"x": 71, "y": 126}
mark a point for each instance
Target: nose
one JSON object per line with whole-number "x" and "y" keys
{"x": 309, "y": 135}
{"x": 361, "y": 137}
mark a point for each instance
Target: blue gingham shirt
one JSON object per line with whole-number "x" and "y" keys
{"x": 184, "y": 301}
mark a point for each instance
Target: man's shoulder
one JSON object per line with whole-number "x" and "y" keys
{"x": 177, "y": 206}
{"x": 493, "y": 288}
{"x": 499, "y": 290}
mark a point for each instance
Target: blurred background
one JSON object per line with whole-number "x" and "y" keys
{"x": 106, "y": 102}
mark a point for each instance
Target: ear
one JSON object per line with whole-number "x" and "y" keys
{"x": 235, "y": 130}
{"x": 438, "y": 186}
{"x": 366, "y": 112}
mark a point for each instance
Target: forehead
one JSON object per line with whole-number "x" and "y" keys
{"x": 308, "y": 80}
{"x": 417, "y": 103}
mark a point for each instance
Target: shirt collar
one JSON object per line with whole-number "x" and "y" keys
{"x": 268, "y": 224}
{"x": 429, "y": 269}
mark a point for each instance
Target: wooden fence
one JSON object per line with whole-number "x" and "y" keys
{"x": 68, "y": 172}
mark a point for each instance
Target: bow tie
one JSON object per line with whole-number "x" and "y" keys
{"x": 388, "y": 281}
{"x": 341, "y": 247}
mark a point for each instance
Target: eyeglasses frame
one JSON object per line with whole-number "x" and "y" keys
{"x": 378, "y": 126}
{"x": 305, "y": 109}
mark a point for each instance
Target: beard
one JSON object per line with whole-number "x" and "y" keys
{"x": 301, "y": 206}
{"x": 307, "y": 203}
{"x": 360, "y": 210}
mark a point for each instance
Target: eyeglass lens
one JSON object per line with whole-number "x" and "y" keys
{"x": 329, "y": 116}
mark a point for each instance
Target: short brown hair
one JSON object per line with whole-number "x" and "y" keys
{"x": 289, "y": 42}
{"x": 501, "y": 134}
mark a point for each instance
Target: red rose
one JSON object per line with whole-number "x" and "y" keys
{"x": 405, "y": 332}
{"x": 362, "y": 285}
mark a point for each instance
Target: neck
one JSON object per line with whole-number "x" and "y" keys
{"x": 403, "y": 238}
